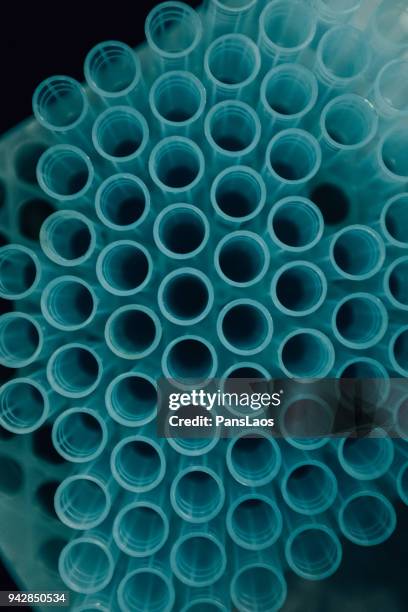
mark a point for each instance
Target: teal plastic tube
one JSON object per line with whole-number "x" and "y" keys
{"x": 131, "y": 399}
{"x": 189, "y": 359}
{"x": 20, "y": 272}
{"x": 226, "y": 16}
{"x": 254, "y": 521}
{"x": 245, "y": 327}
{"x": 124, "y": 267}
{"x": 181, "y": 231}
{"x": 68, "y": 238}
{"x": 366, "y": 458}
{"x": 177, "y": 101}
{"x": 402, "y": 483}
{"x": 238, "y": 194}
{"x": 298, "y": 288}
{"x": 332, "y": 12}
{"x": 356, "y": 253}
{"x": 313, "y": 551}
{"x": 231, "y": 66}
{"x": 69, "y": 303}
{"x": 24, "y": 405}
{"x": 133, "y": 331}
{"x": 295, "y": 224}
{"x": 285, "y": 30}
{"x": 309, "y": 487}
{"x": 391, "y": 159}
{"x": 112, "y": 70}
{"x": 21, "y": 339}
{"x": 197, "y": 494}
{"x": 394, "y": 221}
{"x": 143, "y": 587}
{"x": 371, "y": 370}
{"x": 387, "y": 30}
{"x": 359, "y": 321}
{"x": 66, "y": 173}
{"x": 140, "y": 529}
{"x": 86, "y": 564}
{"x": 138, "y": 464}
{"x": 80, "y": 435}
{"x": 258, "y": 586}
{"x": 241, "y": 259}
{"x": 74, "y": 370}
{"x": 174, "y": 32}
{"x": 82, "y": 501}
{"x": 253, "y": 460}
{"x": 185, "y": 296}
{"x": 395, "y": 283}
{"x": 307, "y": 421}
{"x": 398, "y": 351}
{"x": 391, "y": 91}
{"x": 288, "y": 93}
{"x": 122, "y": 202}
{"x": 204, "y": 604}
{"x": 306, "y": 353}
{"x": 198, "y": 559}
{"x": 367, "y": 518}
{"x": 400, "y": 417}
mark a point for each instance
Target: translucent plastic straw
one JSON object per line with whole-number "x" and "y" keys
{"x": 313, "y": 551}
{"x": 124, "y": 267}
{"x": 332, "y": 12}
{"x": 79, "y": 435}
{"x": 198, "y": 559}
{"x": 298, "y": 288}
{"x": 241, "y": 259}
{"x": 369, "y": 369}
{"x": 140, "y": 529}
{"x": 306, "y": 353}
{"x": 189, "y": 360}
{"x": 74, "y": 370}
{"x": 238, "y": 194}
{"x": 82, "y": 501}
{"x": 394, "y": 221}
{"x": 138, "y": 464}
{"x": 24, "y": 405}
{"x": 226, "y": 16}
{"x": 367, "y": 518}
{"x": 68, "y": 238}
{"x": 254, "y": 521}
{"x": 197, "y": 494}
{"x": 366, "y": 458}
{"x": 69, "y": 303}
{"x": 258, "y": 586}
{"x": 253, "y": 460}
{"x": 309, "y": 487}
{"x": 20, "y": 272}
{"x": 122, "y": 202}
{"x": 395, "y": 283}
{"x": 66, "y": 173}
{"x": 388, "y": 30}
{"x": 86, "y": 564}
{"x": 392, "y": 162}
{"x": 21, "y": 339}
{"x": 357, "y": 252}
{"x": 146, "y": 588}
{"x": 307, "y": 422}
{"x": 295, "y": 224}
{"x": 391, "y": 90}
{"x": 133, "y": 332}
{"x": 185, "y": 296}
{"x": 359, "y": 321}
{"x": 245, "y": 327}
{"x": 131, "y": 399}
{"x": 181, "y": 231}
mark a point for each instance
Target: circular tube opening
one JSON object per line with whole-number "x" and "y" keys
{"x": 124, "y": 267}
{"x": 74, "y": 370}
{"x": 366, "y": 458}
{"x": 232, "y": 62}
{"x": 245, "y": 327}
{"x": 396, "y": 283}
{"x": 398, "y": 351}
{"x": 131, "y": 399}
{"x": 64, "y": 172}
{"x": 202, "y": 604}
{"x": 254, "y": 522}
{"x": 120, "y": 134}
{"x": 309, "y": 488}
{"x": 140, "y": 529}
{"x": 176, "y": 164}
{"x": 295, "y": 224}
{"x": 313, "y": 552}
{"x": 307, "y": 422}
{"x": 177, "y": 98}
{"x": 289, "y": 92}
{"x": 357, "y": 252}
{"x": 82, "y": 502}
{"x": 21, "y": 340}
{"x": 146, "y": 589}
{"x": 24, "y": 405}
{"x": 138, "y": 464}
{"x": 122, "y": 202}
{"x": 253, "y": 460}
{"x": 392, "y": 154}
{"x": 173, "y": 30}
{"x": 342, "y": 55}
{"x": 359, "y": 321}
{"x": 195, "y": 447}
{"x": 394, "y": 220}
{"x": 391, "y": 89}
{"x": 67, "y": 238}
{"x": 112, "y": 69}
{"x": 60, "y": 103}
{"x": 241, "y": 258}
{"x": 298, "y": 288}
{"x": 181, "y": 231}
{"x": 197, "y": 494}
{"x": 375, "y": 378}
{"x": 190, "y": 359}
{"x": 258, "y": 587}
{"x": 349, "y": 122}
{"x": 401, "y": 418}
{"x": 20, "y": 272}
{"x": 238, "y": 194}
{"x": 389, "y": 25}
{"x": 68, "y": 303}
{"x": 86, "y": 565}
{"x": 232, "y": 128}
{"x": 287, "y": 29}
{"x": 293, "y": 156}
{"x": 306, "y": 354}
{"x": 198, "y": 559}
{"x": 133, "y": 332}
{"x": 185, "y": 296}
{"x": 367, "y": 518}
{"x": 79, "y": 435}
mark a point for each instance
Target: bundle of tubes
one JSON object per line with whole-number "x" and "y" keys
{"x": 235, "y": 206}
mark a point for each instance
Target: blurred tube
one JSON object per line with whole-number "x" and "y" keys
{"x": 307, "y": 422}
{"x": 120, "y": 135}
{"x": 181, "y": 231}
{"x": 332, "y": 12}
{"x": 68, "y": 303}
{"x": 398, "y": 351}
{"x": 65, "y": 173}
{"x": 388, "y": 30}
{"x": 190, "y": 359}
{"x": 173, "y": 32}
{"x": 79, "y": 435}
{"x": 367, "y": 518}
{"x": 197, "y": 494}
{"x": 131, "y": 399}
{"x": 288, "y": 93}
{"x": 376, "y": 375}
{"x": 400, "y": 416}
{"x": 359, "y": 321}
{"x": 295, "y": 224}
{"x": 185, "y": 296}
{"x": 253, "y": 460}
{"x": 204, "y": 604}
{"x": 241, "y": 259}
{"x": 124, "y": 267}
{"x": 309, "y": 487}
{"x": 20, "y": 272}
{"x": 238, "y": 194}
{"x": 74, "y": 370}
{"x": 86, "y": 565}
{"x": 21, "y": 339}
{"x": 293, "y": 158}
{"x": 357, "y": 252}
{"x": 68, "y": 238}
{"x": 313, "y": 551}
{"x": 366, "y": 458}
{"x": 146, "y": 589}
{"x": 231, "y": 66}
{"x": 82, "y": 501}
{"x": 298, "y": 288}
{"x": 122, "y": 202}
{"x": 391, "y": 90}
{"x": 285, "y": 30}
{"x": 391, "y": 157}
{"x": 176, "y": 166}
{"x": 138, "y": 464}
{"x": 402, "y": 483}
{"x": 133, "y": 332}
{"x": 198, "y": 559}
{"x": 177, "y": 100}
{"x": 258, "y": 586}
{"x": 306, "y": 353}
{"x": 394, "y": 220}
{"x": 112, "y": 70}
{"x": 230, "y": 16}
{"x": 24, "y": 405}
{"x": 140, "y": 529}
{"x": 233, "y": 130}
{"x": 254, "y": 522}
{"x": 395, "y": 283}
{"x": 245, "y": 327}
{"x": 196, "y": 447}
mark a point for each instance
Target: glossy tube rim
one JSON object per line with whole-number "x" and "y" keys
{"x": 172, "y": 55}
{"x": 276, "y": 71}
{"x": 246, "y": 235}
{"x": 316, "y": 334}
{"x": 276, "y": 48}
{"x": 44, "y": 122}
{"x": 357, "y": 100}
{"x": 277, "y": 516}
{"x": 57, "y": 387}
{"x": 47, "y": 293}
{"x": 313, "y": 527}
{"x": 264, "y": 566}
{"x": 36, "y": 263}
{"x": 106, "y": 251}
{"x": 243, "y": 108}
{"x": 327, "y": 500}
{"x": 298, "y": 264}
{"x": 69, "y": 521}
{"x": 139, "y": 354}
{"x": 49, "y": 249}
{"x": 143, "y": 570}
{"x": 296, "y": 134}
{"x": 75, "y": 458}
{"x": 110, "y": 181}
{"x": 45, "y": 411}
{"x": 113, "y": 413}
{"x": 383, "y": 223}
{"x": 310, "y": 206}
{"x": 185, "y": 516}
{"x": 386, "y": 282}
{"x": 403, "y": 329}
{"x": 249, "y": 172}
{"x": 193, "y": 582}
{"x": 123, "y": 546}
{"x": 250, "y": 480}
{"x": 250, "y": 46}
{"x": 92, "y": 588}
{"x": 138, "y": 488}
{"x": 386, "y": 533}
{"x": 7, "y": 358}
{"x": 375, "y": 338}
{"x": 143, "y": 125}
{"x": 185, "y": 271}
{"x": 188, "y": 144}
{"x": 363, "y": 473}
{"x": 91, "y": 81}
{"x": 168, "y": 209}
{"x": 195, "y": 337}
{"x": 374, "y": 235}
{"x": 266, "y": 317}
{"x": 73, "y": 150}
{"x": 187, "y": 75}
